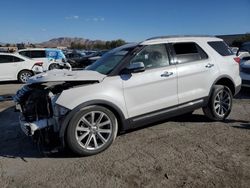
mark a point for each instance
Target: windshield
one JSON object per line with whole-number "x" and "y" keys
{"x": 111, "y": 59}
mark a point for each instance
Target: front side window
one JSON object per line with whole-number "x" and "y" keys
{"x": 153, "y": 56}
{"x": 6, "y": 59}
{"x": 188, "y": 52}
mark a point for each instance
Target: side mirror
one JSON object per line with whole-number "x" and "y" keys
{"x": 134, "y": 68}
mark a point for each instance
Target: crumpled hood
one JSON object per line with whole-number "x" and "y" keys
{"x": 66, "y": 75}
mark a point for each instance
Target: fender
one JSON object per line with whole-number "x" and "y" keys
{"x": 111, "y": 106}
{"x": 217, "y": 79}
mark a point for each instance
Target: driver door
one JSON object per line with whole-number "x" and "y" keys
{"x": 155, "y": 89}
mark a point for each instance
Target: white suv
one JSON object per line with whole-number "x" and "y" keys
{"x": 130, "y": 86}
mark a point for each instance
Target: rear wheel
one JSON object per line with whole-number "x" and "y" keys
{"x": 220, "y": 103}
{"x": 24, "y": 75}
{"x": 92, "y": 130}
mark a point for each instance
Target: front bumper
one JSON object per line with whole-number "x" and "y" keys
{"x": 37, "y": 69}
{"x": 29, "y": 128}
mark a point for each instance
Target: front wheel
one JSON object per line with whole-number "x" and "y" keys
{"x": 91, "y": 130}
{"x": 220, "y": 103}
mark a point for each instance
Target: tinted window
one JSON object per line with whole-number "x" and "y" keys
{"x": 6, "y": 59}
{"x": 221, "y": 47}
{"x": 25, "y": 53}
{"x": 16, "y": 59}
{"x": 188, "y": 52}
{"x": 38, "y": 54}
{"x": 153, "y": 56}
{"x": 185, "y": 48}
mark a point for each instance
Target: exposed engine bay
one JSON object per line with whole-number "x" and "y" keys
{"x": 40, "y": 115}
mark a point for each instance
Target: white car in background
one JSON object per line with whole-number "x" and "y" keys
{"x": 52, "y": 58}
{"x": 17, "y": 67}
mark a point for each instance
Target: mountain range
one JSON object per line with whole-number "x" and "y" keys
{"x": 67, "y": 41}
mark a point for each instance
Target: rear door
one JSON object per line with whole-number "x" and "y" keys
{"x": 154, "y": 89}
{"x": 194, "y": 70}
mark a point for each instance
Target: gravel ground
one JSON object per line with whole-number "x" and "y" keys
{"x": 181, "y": 152}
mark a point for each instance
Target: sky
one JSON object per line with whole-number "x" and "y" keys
{"x": 132, "y": 20}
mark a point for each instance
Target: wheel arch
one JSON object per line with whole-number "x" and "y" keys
{"x": 226, "y": 81}
{"x": 112, "y": 107}
{"x": 24, "y": 70}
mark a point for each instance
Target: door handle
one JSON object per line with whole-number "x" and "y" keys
{"x": 209, "y": 65}
{"x": 166, "y": 74}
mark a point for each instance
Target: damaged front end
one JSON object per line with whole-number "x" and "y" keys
{"x": 40, "y": 116}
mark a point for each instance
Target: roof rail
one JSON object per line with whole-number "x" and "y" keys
{"x": 178, "y": 36}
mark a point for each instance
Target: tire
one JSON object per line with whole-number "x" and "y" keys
{"x": 92, "y": 130}
{"x": 220, "y": 103}
{"x": 54, "y": 66}
{"x": 24, "y": 75}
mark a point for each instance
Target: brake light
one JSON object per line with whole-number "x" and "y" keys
{"x": 39, "y": 64}
{"x": 237, "y": 60}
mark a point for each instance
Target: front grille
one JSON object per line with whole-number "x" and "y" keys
{"x": 245, "y": 70}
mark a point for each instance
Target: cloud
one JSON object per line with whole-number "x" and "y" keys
{"x": 89, "y": 19}
{"x": 75, "y": 17}
{"x": 44, "y": 29}
{"x": 95, "y": 19}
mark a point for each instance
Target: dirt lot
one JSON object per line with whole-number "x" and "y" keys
{"x": 181, "y": 152}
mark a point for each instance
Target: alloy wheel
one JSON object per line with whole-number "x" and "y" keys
{"x": 25, "y": 76}
{"x": 222, "y": 102}
{"x": 93, "y": 130}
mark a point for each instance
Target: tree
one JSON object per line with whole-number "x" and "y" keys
{"x": 114, "y": 43}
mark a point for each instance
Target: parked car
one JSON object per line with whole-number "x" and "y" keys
{"x": 244, "y": 54}
{"x": 17, "y": 67}
{"x": 130, "y": 86}
{"x": 51, "y": 58}
{"x": 73, "y": 58}
{"x": 87, "y": 60}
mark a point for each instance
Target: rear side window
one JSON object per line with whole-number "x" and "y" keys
{"x": 37, "y": 54}
{"x": 6, "y": 59}
{"x": 221, "y": 47}
{"x": 188, "y": 52}
{"x": 17, "y": 59}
